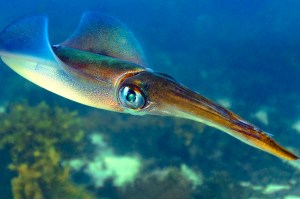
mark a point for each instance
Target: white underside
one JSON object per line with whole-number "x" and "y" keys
{"x": 57, "y": 81}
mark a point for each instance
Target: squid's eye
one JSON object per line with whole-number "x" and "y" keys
{"x": 131, "y": 97}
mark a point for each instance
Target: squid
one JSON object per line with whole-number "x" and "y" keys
{"x": 102, "y": 65}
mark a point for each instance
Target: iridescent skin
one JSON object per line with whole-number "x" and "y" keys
{"x": 100, "y": 59}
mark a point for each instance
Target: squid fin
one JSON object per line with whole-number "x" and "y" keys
{"x": 105, "y": 35}
{"x": 27, "y": 39}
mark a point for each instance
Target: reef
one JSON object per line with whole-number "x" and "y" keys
{"x": 37, "y": 139}
{"x": 168, "y": 183}
{"x": 57, "y": 153}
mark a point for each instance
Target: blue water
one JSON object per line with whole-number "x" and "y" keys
{"x": 244, "y": 55}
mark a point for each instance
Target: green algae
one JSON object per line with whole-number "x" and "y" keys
{"x": 161, "y": 184}
{"x": 38, "y": 138}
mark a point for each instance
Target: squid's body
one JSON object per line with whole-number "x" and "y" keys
{"x": 102, "y": 65}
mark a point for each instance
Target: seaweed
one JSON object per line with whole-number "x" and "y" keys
{"x": 221, "y": 185}
{"x": 39, "y": 138}
{"x": 165, "y": 184}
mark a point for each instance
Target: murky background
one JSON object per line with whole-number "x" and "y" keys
{"x": 243, "y": 55}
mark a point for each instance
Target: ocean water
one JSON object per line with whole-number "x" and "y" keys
{"x": 242, "y": 55}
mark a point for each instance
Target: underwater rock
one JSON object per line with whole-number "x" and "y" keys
{"x": 291, "y": 197}
{"x": 296, "y": 126}
{"x": 106, "y": 165}
{"x": 195, "y": 178}
{"x": 262, "y": 116}
{"x": 272, "y": 188}
{"x": 225, "y": 102}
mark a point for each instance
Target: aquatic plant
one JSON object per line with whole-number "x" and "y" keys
{"x": 220, "y": 185}
{"x": 38, "y": 138}
{"x": 169, "y": 183}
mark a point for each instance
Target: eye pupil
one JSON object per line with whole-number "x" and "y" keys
{"x": 131, "y": 96}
